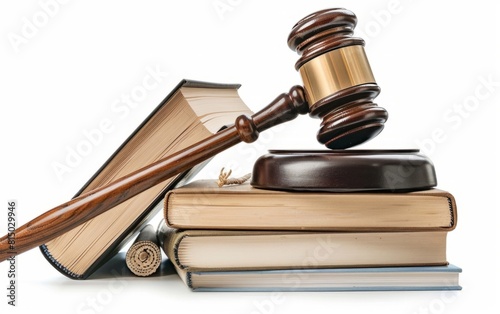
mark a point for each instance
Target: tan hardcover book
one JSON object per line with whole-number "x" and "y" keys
{"x": 190, "y": 113}
{"x": 203, "y": 205}
{"x": 209, "y": 250}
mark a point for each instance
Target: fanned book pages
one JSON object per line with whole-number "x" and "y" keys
{"x": 190, "y": 113}
{"x": 209, "y": 250}
{"x": 201, "y": 204}
{"x": 416, "y": 278}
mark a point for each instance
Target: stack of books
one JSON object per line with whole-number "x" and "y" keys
{"x": 242, "y": 238}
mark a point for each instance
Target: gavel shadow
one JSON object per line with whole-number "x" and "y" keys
{"x": 117, "y": 267}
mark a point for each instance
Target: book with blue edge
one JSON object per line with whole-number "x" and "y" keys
{"x": 330, "y": 279}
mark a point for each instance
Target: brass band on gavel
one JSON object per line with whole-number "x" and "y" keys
{"x": 334, "y": 71}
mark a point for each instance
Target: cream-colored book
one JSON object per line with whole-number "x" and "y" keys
{"x": 209, "y": 250}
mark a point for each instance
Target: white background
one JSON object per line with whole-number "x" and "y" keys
{"x": 62, "y": 76}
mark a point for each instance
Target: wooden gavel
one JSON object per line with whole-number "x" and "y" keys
{"x": 339, "y": 88}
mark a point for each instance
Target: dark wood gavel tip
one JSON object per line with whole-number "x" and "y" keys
{"x": 317, "y": 23}
{"x": 353, "y": 137}
{"x": 350, "y": 117}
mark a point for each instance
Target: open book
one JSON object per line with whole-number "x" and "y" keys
{"x": 190, "y": 113}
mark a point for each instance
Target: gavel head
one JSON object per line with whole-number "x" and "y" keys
{"x": 337, "y": 77}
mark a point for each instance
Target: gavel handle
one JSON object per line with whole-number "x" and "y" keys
{"x": 69, "y": 215}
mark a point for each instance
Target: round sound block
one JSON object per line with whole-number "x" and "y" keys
{"x": 344, "y": 171}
